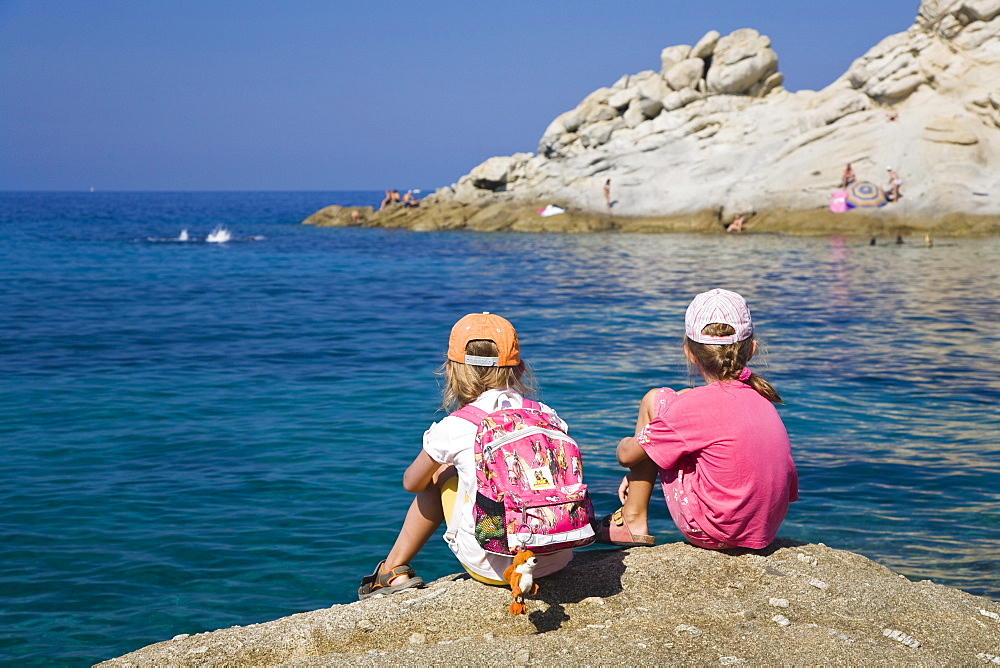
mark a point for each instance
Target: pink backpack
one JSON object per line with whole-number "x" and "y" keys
{"x": 531, "y": 493}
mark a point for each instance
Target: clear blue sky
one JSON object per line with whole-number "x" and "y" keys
{"x": 333, "y": 95}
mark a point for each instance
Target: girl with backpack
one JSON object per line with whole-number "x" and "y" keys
{"x": 453, "y": 476}
{"x": 721, "y": 451}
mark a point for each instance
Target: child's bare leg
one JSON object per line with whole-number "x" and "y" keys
{"x": 642, "y": 475}
{"x": 641, "y": 480}
{"x": 422, "y": 519}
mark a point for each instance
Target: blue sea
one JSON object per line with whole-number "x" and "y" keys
{"x": 197, "y": 435}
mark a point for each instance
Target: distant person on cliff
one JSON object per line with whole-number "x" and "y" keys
{"x": 737, "y": 224}
{"x": 848, "y": 178}
{"x": 386, "y": 201}
{"x": 409, "y": 201}
{"x": 607, "y": 194}
{"x": 720, "y": 451}
{"x": 391, "y": 198}
{"x": 483, "y": 373}
{"x": 892, "y": 190}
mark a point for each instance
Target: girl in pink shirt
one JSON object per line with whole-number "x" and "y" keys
{"x": 720, "y": 450}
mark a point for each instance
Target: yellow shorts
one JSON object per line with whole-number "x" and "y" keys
{"x": 449, "y": 492}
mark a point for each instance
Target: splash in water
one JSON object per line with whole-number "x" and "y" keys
{"x": 183, "y": 236}
{"x": 219, "y": 235}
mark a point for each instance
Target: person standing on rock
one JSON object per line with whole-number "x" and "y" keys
{"x": 607, "y": 194}
{"x": 721, "y": 451}
{"x": 895, "y": 183}
{"x": 483, "y": 370}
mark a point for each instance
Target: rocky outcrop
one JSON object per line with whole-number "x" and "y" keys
{"x": 713, "y": 131}
{"x": 741, "y": 64}
{"x": 792, "y": 604}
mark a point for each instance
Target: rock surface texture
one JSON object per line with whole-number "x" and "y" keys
{"x": 792, "y": 604}
{"x": 713, "y": 132}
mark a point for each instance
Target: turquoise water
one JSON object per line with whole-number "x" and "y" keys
{"x": 200, "y": 435}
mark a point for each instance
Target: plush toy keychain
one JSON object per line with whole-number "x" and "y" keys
{"x": 521, "y": 576}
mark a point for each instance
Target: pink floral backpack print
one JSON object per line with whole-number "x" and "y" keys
{"x": 531, "y": 493}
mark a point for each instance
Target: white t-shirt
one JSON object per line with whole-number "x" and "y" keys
{"x": 452, "y": 441}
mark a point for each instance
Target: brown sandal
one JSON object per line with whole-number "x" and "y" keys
{"x": 378, "y": 582}
{"x": 612, "y": 530}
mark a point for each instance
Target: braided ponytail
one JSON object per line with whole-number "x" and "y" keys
{"x": 728, "y": 361}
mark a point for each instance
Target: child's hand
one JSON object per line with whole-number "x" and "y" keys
{"x": 623, "y": 490}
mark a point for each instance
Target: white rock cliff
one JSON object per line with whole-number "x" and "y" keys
{"x": 714, "y": 130}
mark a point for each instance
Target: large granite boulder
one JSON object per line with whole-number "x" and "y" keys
{"x": 685, "y": 74}
{"x": 498, "y": 172}
{"x": 891, "y": 71}
{"x": 704, "y": 47}
{"x": 739, "y": 61}
{"x": 672, "y": 55}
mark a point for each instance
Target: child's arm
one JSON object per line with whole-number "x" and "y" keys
{"x": 419, "y": 474}
{"x": 647, "y": 410}
{"x": 630, "y": 453}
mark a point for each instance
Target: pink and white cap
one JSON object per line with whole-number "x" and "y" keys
{"x": 718, "y": 306}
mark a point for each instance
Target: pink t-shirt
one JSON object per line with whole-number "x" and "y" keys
{"x": 725, "y": 462}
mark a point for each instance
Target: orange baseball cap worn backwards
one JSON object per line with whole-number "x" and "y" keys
{"x": 486, "y": 326}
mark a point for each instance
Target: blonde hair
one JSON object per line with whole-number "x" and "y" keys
{"x": 464, "y": 382}
{"x": 725, "y": 362}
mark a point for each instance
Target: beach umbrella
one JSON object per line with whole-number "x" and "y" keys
{"x": 864, "y": 193}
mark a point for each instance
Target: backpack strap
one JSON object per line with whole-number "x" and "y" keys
{"x": 471, "y": 413}
{"x": 477, "y": 415}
